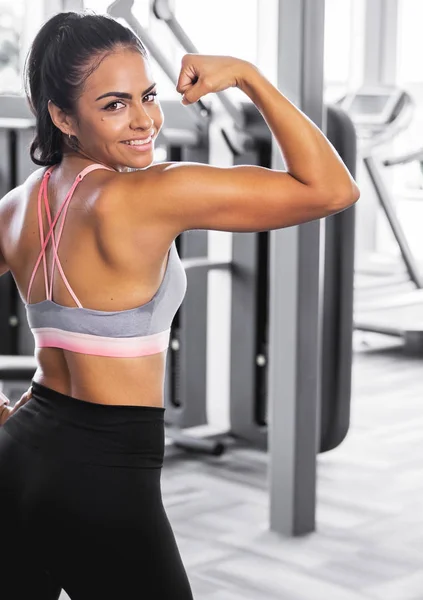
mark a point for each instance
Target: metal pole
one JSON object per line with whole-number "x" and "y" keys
{"x": 294, "y": 323}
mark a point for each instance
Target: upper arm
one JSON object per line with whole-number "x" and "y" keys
{"x": 238, "y": 199}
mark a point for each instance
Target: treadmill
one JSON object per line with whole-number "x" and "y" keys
{"x": 388, "y": 296}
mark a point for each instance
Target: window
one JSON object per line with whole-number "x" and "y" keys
{"x": 11, "y": 27}
{"x": 410, "y": 41}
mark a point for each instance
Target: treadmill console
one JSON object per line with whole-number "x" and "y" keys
{"x": 373, "y": 105}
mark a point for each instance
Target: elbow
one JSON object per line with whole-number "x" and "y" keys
{"x": 354, "y": 192}
{"x": 353, "y": 195}
{"x": 345, "y": 198}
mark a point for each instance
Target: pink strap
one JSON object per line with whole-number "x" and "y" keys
{"x": 40, "y": 192}
{"x": 65, "y": 204}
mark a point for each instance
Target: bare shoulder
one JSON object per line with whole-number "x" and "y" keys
{"x": 127, "y": 217}
{"x": 133, "y": 197}
{"x": 17, "y": 191}
{"x": 31, "y": 181}
{"x": 24, "y": 189}
{"x": 121, "y": 188}
{"x": 9, "y": 204}
{"x": 9, "y": 200}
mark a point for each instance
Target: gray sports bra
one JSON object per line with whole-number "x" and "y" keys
{"x": 139, "y": 331}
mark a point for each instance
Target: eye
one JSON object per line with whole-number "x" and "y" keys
{"x": 151, "y": 95}
{"x": 108, "y": 107}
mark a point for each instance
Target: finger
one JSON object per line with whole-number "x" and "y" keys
{"x": 191, "y": 93}
{"x": 185, "y": 81}
{"x": 186, "y": 75}
{"x": 5, "y": 413}
{"x": 28, "y": 393}
{"x": 3, "y": 399}
{"x": 22, "y": 400}
{"x": 194, "y": 93}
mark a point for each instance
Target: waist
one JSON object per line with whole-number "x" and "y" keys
{"x": 62, "y": 426}
{"x": 102, "y": 380}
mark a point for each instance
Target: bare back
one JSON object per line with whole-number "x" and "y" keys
{"x": 111, "y": 266}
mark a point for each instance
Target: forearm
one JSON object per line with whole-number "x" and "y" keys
{"x": 307, "y": 153}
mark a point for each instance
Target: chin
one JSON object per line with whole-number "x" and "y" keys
{"x": 141, "y": 162}
{"x": 134, "y": 165}
{"x": 141, "y": 166}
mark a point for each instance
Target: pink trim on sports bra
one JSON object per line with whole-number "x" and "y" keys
{"x": 47, "y": 337}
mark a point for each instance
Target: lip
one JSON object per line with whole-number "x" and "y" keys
{"x": 139, "y": 139}
{"x": 140, "y": 148}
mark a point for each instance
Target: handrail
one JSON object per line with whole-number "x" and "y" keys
{"x": 403, "y": 159}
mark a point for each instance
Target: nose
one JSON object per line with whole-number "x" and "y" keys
{"x": 141, "y": 119}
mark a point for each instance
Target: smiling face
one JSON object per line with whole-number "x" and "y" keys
{"x": 118, "y": 104}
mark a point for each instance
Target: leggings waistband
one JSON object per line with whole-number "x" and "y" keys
{"x": 67, "y": 428}
{"x": 70, "y": 408}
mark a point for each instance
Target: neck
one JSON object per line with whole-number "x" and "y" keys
{"x": 82, "y": 155}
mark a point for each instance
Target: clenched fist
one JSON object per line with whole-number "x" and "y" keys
{"x": 202, "y": 74}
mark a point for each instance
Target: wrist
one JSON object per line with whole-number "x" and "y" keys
{"x": 248, "y": 73}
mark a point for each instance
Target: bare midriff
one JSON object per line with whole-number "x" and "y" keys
{"x": 103, "y": 380}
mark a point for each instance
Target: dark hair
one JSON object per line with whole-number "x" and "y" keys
{"x": 67, "y": 49}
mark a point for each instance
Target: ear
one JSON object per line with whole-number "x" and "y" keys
{"x": 62, "y": 120}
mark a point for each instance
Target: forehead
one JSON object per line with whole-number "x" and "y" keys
{"x": 122, "y": 70}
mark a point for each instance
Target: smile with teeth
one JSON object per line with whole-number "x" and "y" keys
{"x": 139, "y": 142}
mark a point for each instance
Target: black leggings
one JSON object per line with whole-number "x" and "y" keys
{"x": 81, "y": 506}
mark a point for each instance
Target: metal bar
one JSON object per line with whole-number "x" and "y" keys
{"x": 379, "y": 63}
{"x": 186, "y": 365}
{"x": 206, "y": 264}
{"x": 404, "y": 159}
{"x": 164, "y": 13}
{"x": 122, "y": 9}
{"x": 295, "y": 319}
{"x": 380, "y": 51}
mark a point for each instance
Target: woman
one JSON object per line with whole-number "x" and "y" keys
{"x": 81, "y": 458}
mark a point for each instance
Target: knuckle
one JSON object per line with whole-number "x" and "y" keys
{"x": 207, "y": 83}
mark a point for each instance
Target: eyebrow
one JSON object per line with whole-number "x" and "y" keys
{"x": 124, "y": 95}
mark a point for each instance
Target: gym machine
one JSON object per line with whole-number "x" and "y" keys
{"x": 388, "y": 298}
{"x": 250, "y": 289}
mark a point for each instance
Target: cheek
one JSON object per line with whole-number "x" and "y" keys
{"x": 158, "y": 116}
{"x": 107, "y": 128}
{"x": 158, "y": 108}
{"x": 95, "y": 126}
